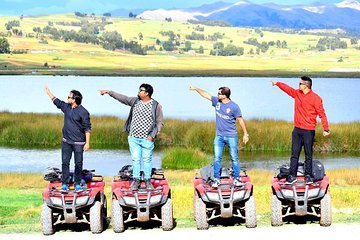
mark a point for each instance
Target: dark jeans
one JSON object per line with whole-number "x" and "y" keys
{"x": 300, "y": 138}
{"x": 66, "y": 152}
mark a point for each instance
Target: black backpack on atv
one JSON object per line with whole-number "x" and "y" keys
{"x": 53, "y": 174}
{"x": 126, "y": 172}
{"x": 318, "y": 170}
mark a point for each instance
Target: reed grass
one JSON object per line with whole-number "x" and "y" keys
{"x": 184, "y": 158}
{"x": 44, "y": 131}
{"x": 20, "y": 197}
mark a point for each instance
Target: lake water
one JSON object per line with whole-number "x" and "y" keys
{"x": 255, "y": 96}
{"x": 108, "y": 162}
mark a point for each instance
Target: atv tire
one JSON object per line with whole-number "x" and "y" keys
{"x": 276, "y": 212}
{"x": 96, "y": 218}
{"x": 325, "y": 211}
{"x": 167, "y": 220}
{"x": 46, "y": 220}
{"x": 250, "y": 213}
{"x": 196, "y": 196}
{"x": 117, "y": 216}
{"x": 201, "y": 215}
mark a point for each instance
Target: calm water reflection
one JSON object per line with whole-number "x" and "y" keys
{"x": 108, "y": 162}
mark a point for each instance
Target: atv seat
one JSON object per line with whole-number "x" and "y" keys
{"x": 225, "y": 173}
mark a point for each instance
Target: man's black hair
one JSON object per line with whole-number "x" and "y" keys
{"x": 307, "y": 80}
{"x": 77, "y": 96}
{"x": 148, "y": 88}
{"x": 225, "y": 91}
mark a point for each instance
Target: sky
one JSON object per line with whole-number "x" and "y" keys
{"x": 33, "y": 7}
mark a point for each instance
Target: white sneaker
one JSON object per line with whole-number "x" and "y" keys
{"x": 216, "y": 183}
{"x": 238, "y": 182}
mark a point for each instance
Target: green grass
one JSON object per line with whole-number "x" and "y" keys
{"x": 182, "y": 158}
{"x": 87, "y": 59}
{"x": 44, "y": 131}
{"x": 20, "y": 198}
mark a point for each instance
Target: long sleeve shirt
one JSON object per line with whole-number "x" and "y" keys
{"x": 307, "y": 108}
{"x": 76, "y": 122}
{"x": 157, "y": 113}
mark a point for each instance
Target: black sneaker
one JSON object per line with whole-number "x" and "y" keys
{"x": 135, "y": 184}
{"x": 290, "y": 179}
{"x": 309, "y": 179}
{"x": 148, "y": 185}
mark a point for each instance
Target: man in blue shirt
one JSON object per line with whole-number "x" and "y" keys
{"x": 76, "y": 135}
{"x": 227, "y": 112}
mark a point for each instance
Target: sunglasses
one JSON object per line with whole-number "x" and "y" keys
{"x": 300, "y": 83}
{"x": 70, "y": 97}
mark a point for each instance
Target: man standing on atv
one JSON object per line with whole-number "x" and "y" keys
{"x": 227, "y": 113}
{"x": 308, "y": 105}
{"x": 76, "y": 135}
{"x": 143, "y": 125}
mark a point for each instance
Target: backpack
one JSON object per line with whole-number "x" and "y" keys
{"x": 284, "y": 171}
{"x": 126, "y": 172}
{"x": 318, "y": 170}
{"x": 207, "y": 173}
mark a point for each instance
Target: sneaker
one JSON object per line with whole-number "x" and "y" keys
{"x": 309, "y": 179}
{"x": 135, "y": 184}
{"x": 64, "y": 187}
{"x": 238, "y": 182}
{"x": 216, "y": 183}
{"x": 148, "y": 185}
{"x": 78, "y": 188}
{"x": 290, "y": 179}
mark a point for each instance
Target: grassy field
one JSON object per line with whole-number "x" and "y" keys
{"x": 71, "y": 58}
{"x": 195, "y": 137}
{"x": 20, "y": 198}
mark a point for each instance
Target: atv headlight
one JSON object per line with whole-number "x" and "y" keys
{"x": 313, "y": 192}
{"x": 287, "y": 193}
{"x": 129, "y": 200}
{"x": 155, "y": 199}
{"x": 82, "y": 200}
{"x": 212, "y": 196}
{"x": 239, "y": 195}
{"x": 56, "y": 201}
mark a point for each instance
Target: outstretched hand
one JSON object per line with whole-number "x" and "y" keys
{"x": 102, "y": 92}
{"x": 192, "y": 88}
{"x": 273, "y": 82}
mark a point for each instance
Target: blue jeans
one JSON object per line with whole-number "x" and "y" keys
{"x": 219, "y": 143}
{"x": 141, "y": 149}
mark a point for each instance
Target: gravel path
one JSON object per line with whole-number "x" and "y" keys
{"x": 291, "y": 232}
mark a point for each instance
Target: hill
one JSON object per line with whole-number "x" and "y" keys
{"x": 97, "y": 45}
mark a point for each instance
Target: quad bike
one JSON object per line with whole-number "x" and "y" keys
{"x": 141, "y": 205}
{"x": 88, "y": 205}
{"x": 301, "y": 199}
{"x": 225, "y": 201}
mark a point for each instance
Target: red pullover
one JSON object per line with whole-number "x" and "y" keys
{"x": 307, "y": 108}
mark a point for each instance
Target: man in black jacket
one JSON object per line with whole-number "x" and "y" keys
{"x": 143, "y": 124}
{"x": 76, "y": 135}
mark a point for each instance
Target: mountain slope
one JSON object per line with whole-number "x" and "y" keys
{"x": 345, "y": 14}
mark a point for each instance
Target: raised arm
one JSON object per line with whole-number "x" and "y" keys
{"x": 120, "y": 97}
{"x": 284, "y": 87}
{"x": 202, "y": 93}
{"x": 49, "y": 93}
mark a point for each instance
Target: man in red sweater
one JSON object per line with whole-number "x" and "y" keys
{"x": 308, "y": 105}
